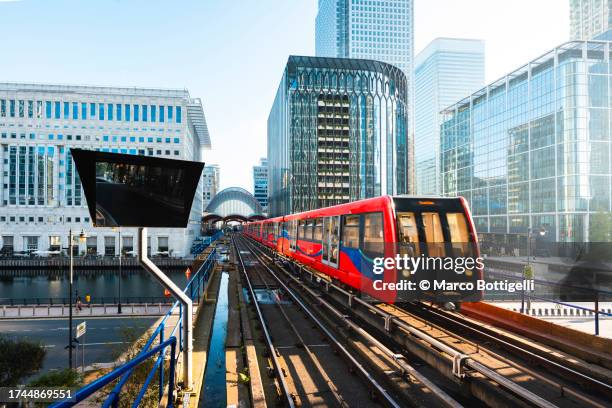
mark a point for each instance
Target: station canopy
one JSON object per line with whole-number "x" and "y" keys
{"x": 233, "y": 204}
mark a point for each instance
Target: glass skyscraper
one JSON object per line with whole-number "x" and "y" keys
{"x": 337, "y": 133}
{"x": 370, "y": 29}
{"x": 41, "y": 197}
{"x": 591, "y": 20}
{"x": 446, "y": 71}
{"x": 533, "y": 149}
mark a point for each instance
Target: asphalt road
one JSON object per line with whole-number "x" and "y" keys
{"x": 104, "y": 339}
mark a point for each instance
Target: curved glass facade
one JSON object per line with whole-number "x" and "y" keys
{"x": 337, "y": 132}
{"x": 234, "y": 201}
{"x": 533, "y": 149}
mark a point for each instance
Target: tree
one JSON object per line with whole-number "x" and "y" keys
{"x": 19, "y": 359}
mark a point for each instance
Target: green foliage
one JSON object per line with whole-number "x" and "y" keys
{"x": 528, "y": 272}
{"x": 135, "y": 344}
{"x": 62, "y": 378}
{"x": 18, "y": 360}
{"x": 600, "y": 227}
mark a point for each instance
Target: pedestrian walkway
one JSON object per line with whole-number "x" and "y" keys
{"x": 60, "y": 311}
{"x": 573, "y": 318}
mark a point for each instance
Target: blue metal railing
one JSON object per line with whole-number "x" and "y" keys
{"x": 194, "y": 288}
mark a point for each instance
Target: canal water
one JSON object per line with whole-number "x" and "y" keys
{"x": 213, "y": 393}
{"x": 102, "y": 286}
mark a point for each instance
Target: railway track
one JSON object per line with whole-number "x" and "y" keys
{"x": 322, "y": 364}
{"x": 454, "y": 346}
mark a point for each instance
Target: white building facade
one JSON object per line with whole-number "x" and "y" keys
{"x": 41, "y": 197}
{"x": 446, "y": 71}
{"x": 210, "y": 181}
{"x": 260, "y": 183}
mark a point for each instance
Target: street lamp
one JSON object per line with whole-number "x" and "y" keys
{"x": 542, "y": 233}
{"x": 120, "y": 271}
{"x": 82, "y": 237}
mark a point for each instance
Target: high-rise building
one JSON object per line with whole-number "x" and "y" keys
{"x": 446, "y": 71}
{"x": 532, "y": 150}
{"x": 260, "y": 183}
{"x": 337, "y": 133}
{"x": 41, "y": 197}
{"x": 210, "y": 183}
{"x": 591, "y": 20}
{"x": 369, "y": 29}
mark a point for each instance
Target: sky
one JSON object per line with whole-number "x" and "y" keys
{"x": 231, "y": 54}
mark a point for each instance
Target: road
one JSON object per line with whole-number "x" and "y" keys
{"x": 103, "y": 340}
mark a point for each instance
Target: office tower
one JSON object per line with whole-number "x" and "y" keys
{"x": 446, "y": 71}
{"x": 210, "y": 182}
{"x": 260, "y": 183}
{"x": 591, "y": 20}
{"x": 370, "y": 29}
{"x": 41, "y": 197}
{"x": 532, "y": 150}
{"x": 337, "y": 133}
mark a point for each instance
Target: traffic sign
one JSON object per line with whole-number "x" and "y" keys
{"x": 81, "y": 329}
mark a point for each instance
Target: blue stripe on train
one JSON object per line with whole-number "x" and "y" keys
{"x": 361, "y": 262}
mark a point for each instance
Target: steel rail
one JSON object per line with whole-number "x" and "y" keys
{"x": 262, "y": 321}
{"x": 606, "y": 388}
{"x": 398, "y": 359}
{"x": 456, "y": 356}
{"x": 378, "y": 387}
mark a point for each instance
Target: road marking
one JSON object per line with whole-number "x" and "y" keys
{"x": 105, "y": 343}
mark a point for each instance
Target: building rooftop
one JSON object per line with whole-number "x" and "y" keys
{"x": 593, "y": 49}
{"x": 93, "y": 89}
{"x": 195, "y": 111}
{"x": 471, "y": 45}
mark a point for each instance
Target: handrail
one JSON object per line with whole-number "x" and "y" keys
{"x": 113, "y": 396}
{"x": 126, "y": 370}
{"x": 89, "y": 389}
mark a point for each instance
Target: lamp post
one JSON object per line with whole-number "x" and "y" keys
{"x": 71, "y": 269}
{"x": 542, "y": 233}
{"x": 120, "y": 271}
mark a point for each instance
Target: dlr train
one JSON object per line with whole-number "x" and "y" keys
{"x": 380, "y": 245}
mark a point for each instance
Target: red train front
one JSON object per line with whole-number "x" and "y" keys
{"x": 349, "y": 242}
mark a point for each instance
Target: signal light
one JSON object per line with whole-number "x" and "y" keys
{"x": 426, "y": 203}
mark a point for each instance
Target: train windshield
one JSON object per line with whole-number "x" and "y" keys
{"x": 434, "y": 227}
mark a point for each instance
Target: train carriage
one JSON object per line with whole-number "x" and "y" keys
{"x": 345, "y": 241}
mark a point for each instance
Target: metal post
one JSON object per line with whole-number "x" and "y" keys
{"x": 187, "y": 322}
{"x": 83, "y": 351}
{"x": 120, "y": 274}
{"x": 597, "y": 313}
{"x": 70, "y": 346}
{"x": 161, "y": 368}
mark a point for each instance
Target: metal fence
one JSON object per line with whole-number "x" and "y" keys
{"x": 194, "y": 288}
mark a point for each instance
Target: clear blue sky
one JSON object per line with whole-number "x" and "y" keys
{"x": 232, "y": 53}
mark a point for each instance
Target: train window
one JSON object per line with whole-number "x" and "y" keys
{"x": 318, "y": 230}
{"x": 308, "y": 230}
{"x": 373, "y": 234}
{"x": 293, "y": 233}
{"x": 301, "y": 229}
{"x": 433, "y": 233}
{"x": 350, "y": 231}
{"x": 408, "y": 234}
{"x": 459, "y": 233}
